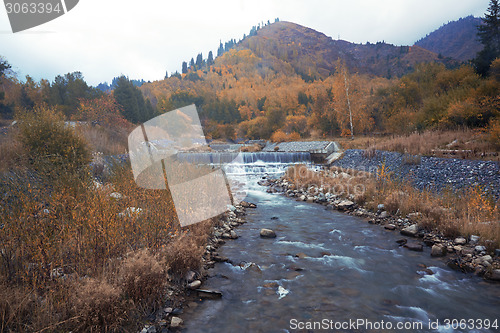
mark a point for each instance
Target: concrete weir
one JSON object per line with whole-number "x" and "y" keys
{"x": 321, "y": 151}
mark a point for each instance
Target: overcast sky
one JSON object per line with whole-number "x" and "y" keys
{"x": 143, "y": 39}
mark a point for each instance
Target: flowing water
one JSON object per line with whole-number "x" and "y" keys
{"x": 327, "y": 266}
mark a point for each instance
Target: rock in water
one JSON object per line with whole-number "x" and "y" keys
{"x": 209, "y": 294}
{"x": 390, "y": 227}
{"x": 438, "y": 250}
{"x": 411, "y": 231}
{"x": 282, "y": 292}
{"x": 248, "y": 204}
{"x": 267, "y": 233}
{"x": 414, "y": 247}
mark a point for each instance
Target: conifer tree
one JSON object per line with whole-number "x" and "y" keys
{"x": 489, "y": 35}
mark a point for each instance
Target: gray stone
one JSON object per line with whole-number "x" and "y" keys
{"x": 149, "y": 329}
{"x": 176, "y": 322}
{"x": 226, "y": 235}
{"x": 486, "y": 258}
{"x": 497, "y": 253}
{"x": 474, "y": 239}
{"x": 383, "y": 215}
{"x": 248, "y": 204}
{"x": 414, "y": 247}
{"x": 381, "y": 207}
{"x": 460, "y": 241}
{"x": 191, "y": 275}
{"x": 209, "y": 294}
{"x": 345, "y": 204}
{"x": 233, "y": 234}
{"x": 438, "y": 250}
{"x": 195, "y": 284}
{"x": 267, "y": 233}
{"x": 480, "y": 248}
{"x": 390, "y": 227}
{"x": 495, "y": 275}
{"x": 411, "y": 231}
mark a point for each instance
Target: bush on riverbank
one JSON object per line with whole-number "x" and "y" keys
{"x": 77, "y": 255}
{"x": 467, "y": 212}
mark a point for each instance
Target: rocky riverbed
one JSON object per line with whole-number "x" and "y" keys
{"x": 427, "y": 172}
{"x": 189, "y": 292}
{"x": 465, "y": 254}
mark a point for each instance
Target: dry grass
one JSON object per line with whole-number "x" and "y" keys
{"x": 12, "y": 153}
{"x": 465, "y": 143}
{"x": 452, "y": 213}
{"x": 105, "y": 140}
{"x": 72, "y": 259}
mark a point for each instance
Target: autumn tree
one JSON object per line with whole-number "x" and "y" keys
{"x": 104, "y": 111}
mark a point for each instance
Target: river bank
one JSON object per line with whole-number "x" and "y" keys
{"x": 328, "y": 264}
{"x": 466, "y": 253}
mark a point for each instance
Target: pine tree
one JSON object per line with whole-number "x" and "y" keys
{"x": 199, "y": 61}
{"x": 184, "y": 67}
{"x": 489, "y": 35}
{"x": 220, "y": 50}
{"x": 210, "y": 60}
{"x": 191, "y": 63}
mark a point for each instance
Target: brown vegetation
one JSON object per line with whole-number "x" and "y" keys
{"x": 72, "y": 256}
{"x": 452, "y": 213}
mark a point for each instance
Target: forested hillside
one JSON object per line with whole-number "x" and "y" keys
{"x": 457, "y": 39}
{"x": 284, "y": 81}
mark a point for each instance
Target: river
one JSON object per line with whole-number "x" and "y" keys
{"x": 333, "y": 269}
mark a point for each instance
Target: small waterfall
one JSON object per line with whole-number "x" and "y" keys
{"x": 247, "y": 163}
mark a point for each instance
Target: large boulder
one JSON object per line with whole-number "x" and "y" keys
{"x": 267, "y": 233}
{"x": 460, "y": 241}
{"x": 411, "y": 231}
{"x": 495, "y": 275}
{"x": 345, "y": 205}
{"x": 438, "y": 250}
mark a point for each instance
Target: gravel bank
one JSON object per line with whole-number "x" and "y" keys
{"x": 428, "y": 172}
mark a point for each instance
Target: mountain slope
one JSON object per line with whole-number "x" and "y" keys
{"x": 314, "y": 55}
{"x": 456, "y": 39}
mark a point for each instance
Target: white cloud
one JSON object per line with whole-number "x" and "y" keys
{"x": 103, "y": 39}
